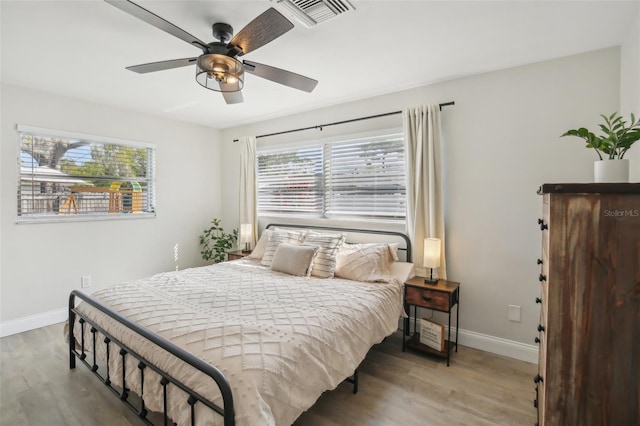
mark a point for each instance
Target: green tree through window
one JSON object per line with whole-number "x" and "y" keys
{"x": 79, "y": 176}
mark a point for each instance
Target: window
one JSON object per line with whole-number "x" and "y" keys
{"x": 65, "y": 176}
{"x": 290, "y": 182}
{"x": 359, "y": 178}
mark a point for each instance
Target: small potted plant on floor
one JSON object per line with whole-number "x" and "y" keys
{"x": 616, "y": 139}
{"x": 215, "y": 242}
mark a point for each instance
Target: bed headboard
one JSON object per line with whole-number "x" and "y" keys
{"x": 359, "y": 235}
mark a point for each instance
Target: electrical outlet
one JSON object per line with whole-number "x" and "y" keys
{"x": 85, "y": 280}
{"x": 514, "y": 313}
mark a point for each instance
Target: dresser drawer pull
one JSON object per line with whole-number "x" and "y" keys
{"x": 543, "y": 225}
{"x": 537, "y": 340}
{"x": 540, "y": 327}
{"x": 426, "y": 298}
{"x": 542, "y": 277}
{"x": 538, "y": 300}
{"x": 537, "y": 379}
{"x": 539, "y": 261}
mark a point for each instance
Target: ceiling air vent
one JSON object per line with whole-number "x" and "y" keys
{"x": 314, "y": 12}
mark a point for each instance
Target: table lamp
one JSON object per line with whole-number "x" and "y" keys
{"x": 245, "y": 235}
{"x": 432, "y": 249}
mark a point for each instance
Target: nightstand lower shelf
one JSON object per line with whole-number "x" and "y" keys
{"x": 413, "y": 343}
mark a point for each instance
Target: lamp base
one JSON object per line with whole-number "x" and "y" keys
{"x": 246, "y": 248}
{"x": 430, "y": 279}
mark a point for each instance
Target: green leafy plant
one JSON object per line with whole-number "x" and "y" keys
{"x": 616, "y": 138}
{"x": 215, "y": 242}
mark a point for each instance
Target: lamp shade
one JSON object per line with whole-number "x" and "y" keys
{"x": 245, "y": 232}
{"x": 432, "y": 249}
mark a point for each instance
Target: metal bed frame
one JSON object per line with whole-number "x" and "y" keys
{"x": 138, "y": 407}
{"x": 137, "y": 403}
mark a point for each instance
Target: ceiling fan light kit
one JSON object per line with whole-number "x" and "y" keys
{"x": 217, "y": 68}
{"x": 220, "y": 73}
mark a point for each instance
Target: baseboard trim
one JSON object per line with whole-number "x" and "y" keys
{"x": 496, "y": 345}
{"x": 32, "y": 322}
{"x": 499, "y": 346}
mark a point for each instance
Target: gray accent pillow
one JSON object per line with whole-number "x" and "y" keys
{"x": 294, "y": 259}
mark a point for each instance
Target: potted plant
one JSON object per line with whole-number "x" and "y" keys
{"x": 615, "y": 140}
{"x": 215, "y": 242}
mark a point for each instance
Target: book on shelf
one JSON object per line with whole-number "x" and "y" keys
{"x": 432, "y": 334}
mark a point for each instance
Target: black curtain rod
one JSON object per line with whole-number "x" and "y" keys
{"x": 335, "y": 123}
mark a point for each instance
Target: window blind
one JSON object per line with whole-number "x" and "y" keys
{"x": 290, "y": 181}
{"x": 363, "y": 178}
{"x": 366, "y": 178}
{"x": 63, "y": 177}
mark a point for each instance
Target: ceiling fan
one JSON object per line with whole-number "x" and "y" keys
{"x": 218, "y": 67}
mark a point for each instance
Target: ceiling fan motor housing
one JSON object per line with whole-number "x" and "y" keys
{"x": 222, "y": 32}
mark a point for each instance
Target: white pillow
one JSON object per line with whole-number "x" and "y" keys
{"x": 365, "y": 262}
{"x": 294, "y": 259}
{"x": 277, "y": 237}
{"x": 324, "y": 266}
{"x": 261, "y": 246}
{"x": 394, "y": 250}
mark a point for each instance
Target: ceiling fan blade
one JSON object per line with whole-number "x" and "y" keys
{"x": 267, "y": 27}
{"x": 233, "y": 97}
{"x": 151, "y": 18}
{"x": 162, "y": 65}
{"x": 231, "y": 92}
{"x": 281, "y": 76}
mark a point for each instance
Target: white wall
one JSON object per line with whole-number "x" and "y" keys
{"x": 501, "y": 143}
{"x": 630, "y": 89}
{"x": 42, "y": 263}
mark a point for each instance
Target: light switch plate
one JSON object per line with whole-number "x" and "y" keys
{"x": 514, "y": 313}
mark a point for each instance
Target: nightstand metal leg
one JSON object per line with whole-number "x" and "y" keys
{"x": 405, "y": 321}
{"x": 449, "y": 338}
{"x": 457, "y": 319}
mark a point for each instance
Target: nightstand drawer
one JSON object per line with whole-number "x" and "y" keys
{"x": 427, "y": 298}
{"x": 238, "y": 254}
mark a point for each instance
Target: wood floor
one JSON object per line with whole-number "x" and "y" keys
{"x": 396, "y": 388}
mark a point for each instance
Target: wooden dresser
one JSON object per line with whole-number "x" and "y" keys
{"x": 589, "y": 331}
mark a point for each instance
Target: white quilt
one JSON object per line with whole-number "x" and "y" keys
{"x": 280, "y": 340}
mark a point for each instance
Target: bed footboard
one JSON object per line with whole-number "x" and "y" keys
{"x": 137, "y": 405}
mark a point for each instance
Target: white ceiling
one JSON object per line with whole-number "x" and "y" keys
{"x": 81, "y": 48}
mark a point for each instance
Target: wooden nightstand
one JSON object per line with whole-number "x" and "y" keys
{"x": 441, "y": 296}
{"x": 238, "y": 254}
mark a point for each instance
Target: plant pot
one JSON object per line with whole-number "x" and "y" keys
{"x": 611, "y": 171}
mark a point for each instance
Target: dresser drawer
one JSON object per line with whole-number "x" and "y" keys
{"x": 427, "y": 298}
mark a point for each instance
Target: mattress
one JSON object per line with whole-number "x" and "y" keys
{"x": 280, "y": 340}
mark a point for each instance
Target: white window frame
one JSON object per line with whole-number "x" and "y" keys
{"x": 57, "y": 218}
{"x": 323, "y": 143}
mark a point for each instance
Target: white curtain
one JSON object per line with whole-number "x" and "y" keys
{"x": 248, "y": 185}
{"x": 425, "y": 213}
